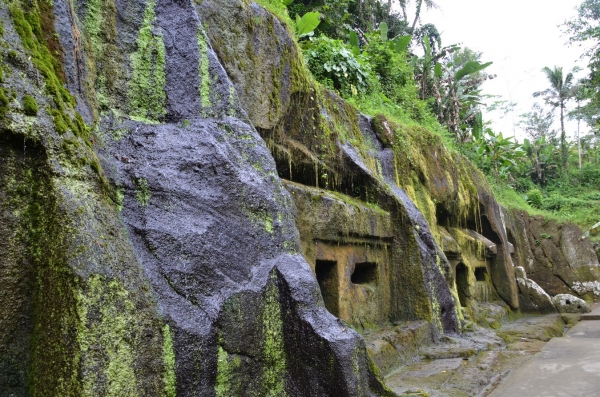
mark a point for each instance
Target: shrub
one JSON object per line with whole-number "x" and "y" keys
{"x": 534, "y": 198}
{"x": 392, "y": 69}
{"x": 334, "y": 65}
{"x": 595, "y": 195}
{"x": 590, "y": 175}
{"x": 335, "y": 18}
{"x": 30, "y": 106}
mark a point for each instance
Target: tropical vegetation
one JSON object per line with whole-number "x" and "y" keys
{"x": 383, "y": 59}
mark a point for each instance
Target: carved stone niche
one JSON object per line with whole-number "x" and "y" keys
{"x": 353, "y": 281}
{"x": 470, "y": 255}
{"x": 348, "y": 244}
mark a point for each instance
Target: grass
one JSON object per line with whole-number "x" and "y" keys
{"x": 413, "y": 112}
{"x": 578, "y": 206}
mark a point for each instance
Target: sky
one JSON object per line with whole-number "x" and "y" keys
{"x": 520, "y": 37}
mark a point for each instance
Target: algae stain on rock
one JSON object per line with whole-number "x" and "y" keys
{"x": 142, "y": 191}
{"x": 226, "y": 367}
{"x": 106, "y": 338}
{"x": 203, "y": 71}
{"x": 274, "y": 349}
{"x": 146, "y": 96}
{"x": 169, "y": 362}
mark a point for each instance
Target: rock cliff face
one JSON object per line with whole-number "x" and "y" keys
{"x": 185, "y": 212}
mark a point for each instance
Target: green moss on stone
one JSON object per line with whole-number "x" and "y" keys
{"x": 3, "y": 102}
{"x": 95, "y": 166}
{"x": 30, "y": 106}
{"x": 169, "y": 360}
{"x": 29, "y": 27}
{"x": 109, "y": 323}
{"x": 203, "y": 71}
{"x": 226, "y": 384}
{"x": 36, "y": 30}
{"x": 275, "y": 365}
{"x": 146, "y": 95}
{"x": 142, "y": 191}
{"x": 269, "y": 224}
{"x": 59, "y": 124}
{"x": 93, "y": 22}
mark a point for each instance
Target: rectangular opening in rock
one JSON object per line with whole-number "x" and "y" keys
{"x": 462, "y": 283}
{"x": 365, "y": 273}
{"x": 327, "y": 276}
{"x": 480, "y": 273}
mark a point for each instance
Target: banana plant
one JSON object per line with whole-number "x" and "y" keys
{"x": 383, "y": 31}
{"x": 306, "y": 25}
{"x": 458, "y": 98}
{"x": 398, "y": 44}
{"x": 429, "y": 64}
{"x": 494, "y": 151}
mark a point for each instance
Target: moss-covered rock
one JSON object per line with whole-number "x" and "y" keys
{"x": 30, "y": 106}
{"x": 149, "y": 244}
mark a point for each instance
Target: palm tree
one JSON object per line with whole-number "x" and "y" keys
{"x": 560, "y": 91}
{"x": 419, "y": 3}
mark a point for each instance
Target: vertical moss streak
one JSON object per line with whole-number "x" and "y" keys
{"x": 274, "y": 349}
{"x": 203, "y": 71}
{"x": 146, "y": 95}
{"x": 169, "y": 360}
{"x": 105, "y": 330}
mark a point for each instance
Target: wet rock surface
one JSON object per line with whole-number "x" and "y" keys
{"x": 474, "y": 363}
{"x": 158, "y": 251}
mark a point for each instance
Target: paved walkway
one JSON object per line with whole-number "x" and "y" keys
{"x": 567, "y": 366}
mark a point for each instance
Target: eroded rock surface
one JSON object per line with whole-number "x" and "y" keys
{"x": 190, "y": 214}
{"x": 554, "y": 255}
{"x": 566, "y": 303}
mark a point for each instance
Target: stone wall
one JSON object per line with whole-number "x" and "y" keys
{"x": 186, "y": 209}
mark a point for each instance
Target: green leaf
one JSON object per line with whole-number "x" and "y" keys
{"x": 437, "y": 70}
{"x": 383, "y": 31}
{"x": 307, "y": 23}
{"x": 427, "y": 46}
{"x": 477, "y": 130}
{"x": 413, "y": 61}
{"x": 470, "y": 68}
{"x": 401, "y": 43}
{"x": 287, "y": 2}
{"x": 353, "y": 39}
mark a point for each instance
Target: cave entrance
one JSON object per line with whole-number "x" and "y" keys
{"x": 327, "y": 276}
{"x": 462, "y": 283}
{"x": 364, "y": 274}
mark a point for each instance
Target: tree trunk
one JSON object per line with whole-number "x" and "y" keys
{"x": 563, "y": 138}
{"x": 403, "y": 7}
{"x": 417, "y": 14}
{"x": 578, "y": 136}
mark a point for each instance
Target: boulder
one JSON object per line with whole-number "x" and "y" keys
{"x": 532, "y": 298}
{"x": 566, "y": 303}
{"x": 520, "y": 272}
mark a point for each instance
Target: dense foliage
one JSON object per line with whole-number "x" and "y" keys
{"x": 383, "y": 60}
